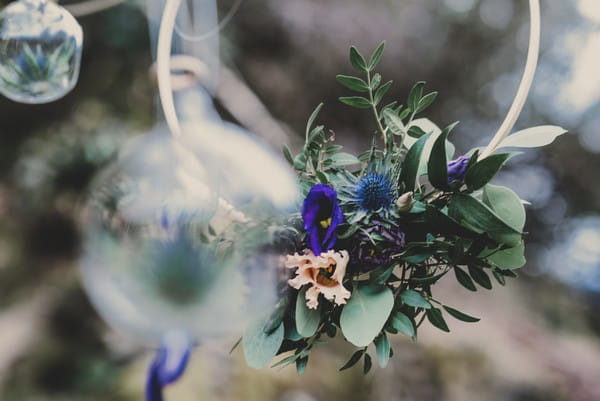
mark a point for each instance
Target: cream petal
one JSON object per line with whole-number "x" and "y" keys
{"x": 312, "y": 297}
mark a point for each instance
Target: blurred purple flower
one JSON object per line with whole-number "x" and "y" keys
{"x": 168, "y": 366}
{"x": 458, "y": 168}
{"x": 322, "y": 215}
{"x": 367, "y": 256}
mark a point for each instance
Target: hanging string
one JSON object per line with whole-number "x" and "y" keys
{"x": 526, "y": 82}
{"x": 91, "y": 6}
{"x": 226, "y": 19}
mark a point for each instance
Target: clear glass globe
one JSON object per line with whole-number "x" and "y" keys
{"x": 175, "y": 242}
{"x": 40, "y": 51}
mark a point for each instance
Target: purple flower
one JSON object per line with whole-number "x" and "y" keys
{"x": 367, "y": 256}
{"x": 322, "y": 215}
{"x": 168, "y": 365}
{"x": 458, "y": 168}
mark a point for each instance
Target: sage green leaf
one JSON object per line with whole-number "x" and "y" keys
{"x": 437, "y": 167}
{"x": 368, "y": 364}
{"x": 307, "y": 320}
{"x": 414, "y": 299}
{"x": 403, "y": 324}
{"x": 344, "y": 159}
{"x": 426, "y": 101}
{"x": 484, "y": 170}
{"x": 260, "y": 348}
{"x": 415, "y": 95}
{"x": 464, "y": 279}
{"x": 460, "y": 315}
{"x": 415, "y": 132}
{"x": 533, "y": 137}
{"x": 382, "y": 348}
{"x": 410, "y": 167}
{"x": 375, "y": 81}
{"x": 312, "y": 118}
{"x": 434, "y": 315}
{"x": 511, "y": 258}
{"x": 356, "y": 101}
{"x": 301, "y": 365}
{"x": 288, "y": 155}
{"x": 499, "y": 277}
{"x": 357, "y": 60}
{"x": 380, "y": 93}
{"x": 353, "y": 359}
{"x": 478, "y": 217}
{"x": 506, "y": 204}
{"x": 394, "y": 123}
{"x": 365, "y": 313}
{"x": 353, "y": 83}
{"x": 376, "y": 56}
{"x": 480, "y": 277}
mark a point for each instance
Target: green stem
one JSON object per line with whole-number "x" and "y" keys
{"x": 375, "y": 112}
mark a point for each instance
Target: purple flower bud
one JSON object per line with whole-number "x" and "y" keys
{"x": 458, "y": 168}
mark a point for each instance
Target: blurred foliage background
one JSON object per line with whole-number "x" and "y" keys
{"x": 539, "y": 337}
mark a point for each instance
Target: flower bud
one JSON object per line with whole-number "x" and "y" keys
{"x": 405, "y": 202}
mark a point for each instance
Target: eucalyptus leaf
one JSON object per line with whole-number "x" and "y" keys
{"x": 382, "y": 348}
{"x": 506, "y": 204}
{"x": 464, "y": 279}
{"x": 403, "y": 324}
{"x": 353, "y": 359}
{"x": 288, "y": 155}
{"x": 437, "y": 166}
{"x": 259, "y": 347}
{"x": 368, "y": 364}
{"x": 480, "y": 277}
{"x": 533, "y": 137}
{"x": 511, "y": 258}
{"x": 434, "y": 315}
{"x": 461, "y": 315}
{"x": 414, "y": 299}
{"x": 365, "y": 313}
{"x": 344, "y": 159}
{"x": 307, "y": 320}
{"x": 412, "y": 161}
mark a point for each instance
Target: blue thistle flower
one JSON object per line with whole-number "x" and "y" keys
{"x": 375, "y": 191}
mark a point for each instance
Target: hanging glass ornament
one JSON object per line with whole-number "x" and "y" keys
{"x": 40, "y": 51}
{"x": 175, "y": 243}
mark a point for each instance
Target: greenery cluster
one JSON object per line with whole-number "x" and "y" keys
{"x": 463, "y": 227}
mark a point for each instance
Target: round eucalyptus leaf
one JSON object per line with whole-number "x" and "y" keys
{"x": 307, "y": 320}
{"x": 260, "y": 348}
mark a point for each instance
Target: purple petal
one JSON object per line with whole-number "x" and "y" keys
{"x": 168, "y": 365}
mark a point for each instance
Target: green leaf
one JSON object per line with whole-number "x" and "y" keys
{"x": 376, "y": 56}
{"x": 301, "y": 365}
{"x": 511, "y": 258}
{"x": 365, "y": 313}
{"x": 394, "y": 123}
{"x": 478, "y": 217}
{"x": 434, "y": 315}
{"x": 353, "y": 83}
{"x": 499, "y": 277}
{"x": 382, "y": 348}
{"x": 480, "y": 277}
{"x": 415, "y": 95}
{"x": 414, "y": 299}
{"x": 357, "y": 60}
{"x": 533, "y": 137}
{"x": 460, "y": 315}
{"x": 380, "y": 93}
{"x": 307, "y": 320}
{"x": 356, "y": 101}
{"x": 381, "y": 274}
{"x": 410, "y": 167}
{"x": 437, "y": 167}
{"x": 506, "y": 204}
{"x": 368, "y": 364}
{"x": 426, "y": 101}
{"x": 344, "y": 159}
{"x": 484, "y": 170}
{"x": 312, "y": 118}
{"x": 353, "y": 359}
{"x": 288, "y": 155}
{"x": 403, "y": 324}
{"x": 415, "y": 132}
{"x": 375, "y": 81}
{"x": 464, "y": 279}
{"x": 260, "y": 348}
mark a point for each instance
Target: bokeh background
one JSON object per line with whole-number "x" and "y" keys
{"x": 539, "y": 338}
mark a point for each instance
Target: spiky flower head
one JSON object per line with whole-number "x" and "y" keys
{"x": 375, "y": 191}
